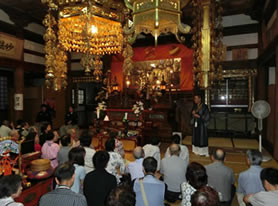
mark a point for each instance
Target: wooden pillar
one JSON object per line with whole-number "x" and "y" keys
{"x": 18, "y": 92}
{"x": 261, "y": 86}
{"x": 275, "y": 109}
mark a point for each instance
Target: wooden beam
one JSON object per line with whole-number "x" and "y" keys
{"x": 29, "y": 67}
{"x": 36, "y": 53}
{"x": 239, "y": 64}
{"x": 241, "y": 29}
{"x": 268, "y": 53}
{"x": 246, "y": 46}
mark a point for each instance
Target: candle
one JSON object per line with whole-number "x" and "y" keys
{"x": 98, "y": 113}
{"x": 126, "y": 115}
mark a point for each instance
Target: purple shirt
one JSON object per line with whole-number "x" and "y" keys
{"x": 50, "y": 151}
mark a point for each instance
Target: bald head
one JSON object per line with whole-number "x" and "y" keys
{"x": 174, "y": 149}
{"x": 219, "y": 155}
{"x": 138, "y": 152}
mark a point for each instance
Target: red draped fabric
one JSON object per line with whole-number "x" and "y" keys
{"x": 155, "y": 53}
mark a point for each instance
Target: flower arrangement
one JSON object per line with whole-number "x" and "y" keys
{"x": 138, "y": 108}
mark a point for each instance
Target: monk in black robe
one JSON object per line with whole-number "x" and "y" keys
{"x": 200, "y": 122}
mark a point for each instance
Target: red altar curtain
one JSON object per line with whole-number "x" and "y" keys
{"x": 155, "y": 53}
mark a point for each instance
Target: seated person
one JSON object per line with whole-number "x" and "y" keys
{"x": 196, "y": 177}
{"x": 86, "y": 143}
{"x": 10, "y": 188}
{"x": 173, "y": 169}
{"x": 62, "y": 195}
{"x": 63, "y": 154}
{"x": 50, "y": 149}
{"x": 135, "y": 169}
{"x": 119, "y": 147}
{"x": 183, "y": 149}
{"x": 205, "y": 196}
{"x": 121, "y": 196}
{"x": 149, "y": 190}
{"x": 152, "y": 150}
{"x": 269, "y": 177}
{"x": 249, "y": 181}
{"x": 99, "y": 183}
{"x": 115, "y": 161}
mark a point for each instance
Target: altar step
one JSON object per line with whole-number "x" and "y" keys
{"x": 163, "y": 133}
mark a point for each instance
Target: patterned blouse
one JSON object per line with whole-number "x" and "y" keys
{"x": 115, "y": 162}
{"x": 186, "y": 191}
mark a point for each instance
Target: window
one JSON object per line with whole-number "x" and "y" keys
{"x": 81, "y": 96}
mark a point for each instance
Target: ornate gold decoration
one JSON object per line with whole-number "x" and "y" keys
{"x": 92, "y": 27}
{"x": 156, "y": 17}
{"x": 207, "y": 42}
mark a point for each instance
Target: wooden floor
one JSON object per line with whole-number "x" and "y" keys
{"x": 235, "y": 154}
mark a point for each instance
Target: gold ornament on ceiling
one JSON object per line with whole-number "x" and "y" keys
{"x": 91, "y": 27}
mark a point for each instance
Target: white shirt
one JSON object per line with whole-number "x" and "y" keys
{"x": 115, "y": 161}
{"x": 4, "y": 131}
{"x": 135, "y": 169}
{"x": 9, "y": 201}
{"x": 153, "y": 151}
{"x": 184, "y": 154}
{"x": 89, "y": 166}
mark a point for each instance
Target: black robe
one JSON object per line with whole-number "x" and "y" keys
{"x": 200, "y": 133}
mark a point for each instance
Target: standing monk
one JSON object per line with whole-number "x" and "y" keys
{"x": 200, "y": 121}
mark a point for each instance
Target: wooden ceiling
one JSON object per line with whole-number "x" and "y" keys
{"x": 23, "y": 12}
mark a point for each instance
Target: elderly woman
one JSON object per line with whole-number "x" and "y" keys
{"x": 10, "y": 188}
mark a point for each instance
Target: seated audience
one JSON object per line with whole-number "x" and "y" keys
{"x": 269, "y": 177}
{"x": 152, "y": 150}
{"x": 10, "y": 188}
{"x": 50, "y": 149}
{"x": 14, "y": 134}
{"x": 5, "y": 129}
{"x": 37, "y": 146}
{"x": 62, "y": 195}
{"x": 45, "y": 128}
{"x": 86, "y": 143}
{"x": 135, "y": 169}
{"x": 119, "y": 147}
{"x": 74, "y": 138}
{"x": 115, "y": 161}
{"x": 121, "y": 196}
{"x": 173, "y": 169}
{"x": 99, "y": 183}
{"x": 196, "y": 177}
{"x": 221, "y": 177}
{"x": 205, "y": 196}
{"x": 76, "y": 157}
{"x": 249, "y": 181}
{"x": 183, "y": 149}
{"x": 149, "y": 190}
{"x": 56, "y": 136}
{"x": 63, "y": 154}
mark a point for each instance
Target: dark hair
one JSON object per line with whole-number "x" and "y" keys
{"x": 64, "y": 171}
{"x": 85, "y": 138}
{"x": 220, "y": 156}
{"x": 121, "y": 196}
{"x": 270, "y": 175}
{"x": 205, "y": 196}
{"x": 196, "y": 175}
{"x": 254, "y": 156}
{"x": 65, "y": 140}
{"x": 31, "y": 136}
{"x": 155, "y": 141}
{"x": 49, "y": 135}
{"x": 9, "y": 185}
{"x": 110, "y": 145}
{"x": 113, "y": 134}
{"x": 20, "y": 122}
{"x": 198, "y": 95}
{"x": 44, "y": 127}
{"x": 150, "y": 164}
{"x": 176, "y": 139}
{"x": 76, "y": 155}
{"x": 100, "y": 159}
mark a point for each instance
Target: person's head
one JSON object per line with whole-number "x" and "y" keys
{"x": 121, "y": 196}
{"x": 196, "y": 175}
{"x": 150, "y": 165}
{"x": 269, "y": 177}
{"x": 6, "y": 123}
{"x": 176, "y": 139}
{"x": 205, "y": 196}
{"x": 43, "y": 107}
{"x": 138, "y": 152}
{"x": 174, "y": 149}
{"x": 110, "y": 145}
{"x": 20, "y": 123}
{"x": 14, "y": 133}
{"x": 56, "y": 135}
{"x": 71, "y": 109}
{"x": 10, "y": 186}
{"x": 113, "y": 134}
{"x": 254, "y": 157}
{"x": 31, "y": 135}
{"x": 72, "y": 133}
{"x": 85, "y": 138}
{"x": 197, "y": 98}
{"x": 49, "y": 136}
{"x": 65, "y": 140}
{"x": 76, "y": 155}
{"x": 64, "y": 174}
{"x": 155, "y": 141}
{"x": 46, "y": 127}
{"x": 33, "y": 129}
{"x": 218, "y": 155}
{"x": 100, "y": 159}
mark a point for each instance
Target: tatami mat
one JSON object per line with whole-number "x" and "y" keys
{"x": 220, "y": 142}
